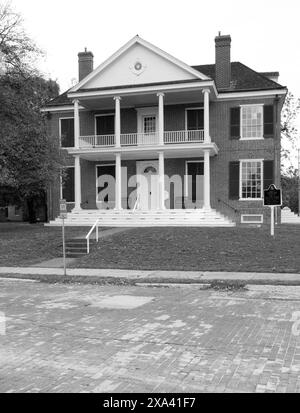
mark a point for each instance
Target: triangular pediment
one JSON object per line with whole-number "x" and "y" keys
{"x": 136, "y": 63}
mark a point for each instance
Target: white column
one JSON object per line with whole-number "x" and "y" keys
{"x": 117, "y": 100}
{"x": 77, "y": 183}
{"x": 118, "y": 187}
{"x": 161, "y": 179}
{"x": 76, "y": 123}
{"x": 206, "y": 93}
{"x": 206, "y": 180}
{"x": 161, "y": 117}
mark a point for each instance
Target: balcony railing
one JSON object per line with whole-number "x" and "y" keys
{"x": 96, "y": 141}
{"x": 184, "y": 136}
{"x": 142, "y": 139}
{"x": 139, "y": 139}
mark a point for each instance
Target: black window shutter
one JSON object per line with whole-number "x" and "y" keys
{"x": 268, "y": 174}
{"x": 68, "y": 192}
{"x": 234, "y": 180}
{"x": 268, "y": 121}
{"x": 235, "y": 122}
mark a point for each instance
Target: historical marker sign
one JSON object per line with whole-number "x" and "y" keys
{"x": 272, "y": 196}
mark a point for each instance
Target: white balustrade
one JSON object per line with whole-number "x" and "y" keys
{"x": 184, "y": 136}
{"x": 96, "y": 140}
{"x": 139, "y": 139}
{"x": 142, "y": 139}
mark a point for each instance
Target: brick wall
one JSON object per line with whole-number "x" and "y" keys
{"x": 234, "y": 150}
{"x": 174, "y": 119}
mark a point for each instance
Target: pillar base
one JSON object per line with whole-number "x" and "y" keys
{"x": 76, "y": 209}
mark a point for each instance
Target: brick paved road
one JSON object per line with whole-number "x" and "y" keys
{"x": 84, "y": 338}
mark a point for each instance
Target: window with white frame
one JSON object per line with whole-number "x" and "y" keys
{"x": 251, "y": 179}
{"x": 149, "y": 124}
{"x": 252, "y": 122}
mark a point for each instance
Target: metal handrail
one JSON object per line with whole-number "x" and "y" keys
{"x": 89, "y": 234}
{"x": 230, "y": 206}
{"x": 136, "y": 204}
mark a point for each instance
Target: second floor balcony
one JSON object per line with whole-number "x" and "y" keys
{"x": 142, "y": 139}
{"x": 143, "y": 125}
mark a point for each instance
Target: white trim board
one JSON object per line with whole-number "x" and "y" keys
{"x": 151, "y": 89}
{"x": 251, "y": 94}
{"x": 61, "y": 109}
{"x": 260, "y": 221}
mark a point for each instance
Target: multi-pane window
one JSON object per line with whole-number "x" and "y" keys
{"x": 149, "y": 124}
{"x": 252, "y": 121}
{"x": 195, "y": 119}
{"x": 251, "y": 179}
{"x": 67, "y": 132}
{"x": 68, "y": 188}
{"x": 105, "y": 124}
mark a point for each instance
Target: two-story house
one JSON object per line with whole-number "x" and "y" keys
{"x": 154, "y": 141}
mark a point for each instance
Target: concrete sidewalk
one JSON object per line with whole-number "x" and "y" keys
{"x": 155, "y": 276}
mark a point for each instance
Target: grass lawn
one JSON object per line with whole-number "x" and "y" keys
{"x": 24, "y": 244}
{"x": 202, "y": 249}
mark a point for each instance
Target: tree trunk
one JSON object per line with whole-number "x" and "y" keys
{"x": 31, "y": 211}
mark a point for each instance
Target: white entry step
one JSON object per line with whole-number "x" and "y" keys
{"x": 159, "y": 218}
{"x": 288, "y": 217}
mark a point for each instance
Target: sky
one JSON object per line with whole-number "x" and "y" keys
{"x": 265, "y": 33}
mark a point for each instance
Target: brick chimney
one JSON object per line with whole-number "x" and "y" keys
{"x": 85, "y": 64}
{"x": 223, "y": 66}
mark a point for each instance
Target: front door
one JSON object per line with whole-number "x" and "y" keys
{"x": 194, "y": 184}
{"x": 147, "y": 125}
{"x": 147, "y": 179}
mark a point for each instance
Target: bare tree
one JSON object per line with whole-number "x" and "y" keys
{"x": 30, "y": 160}
{"x": 17, "y": 51}
{"x": 289, "y": 132}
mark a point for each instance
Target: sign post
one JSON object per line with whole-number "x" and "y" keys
{"x": 63, "y": 216}
{"x": 272, "y": 198}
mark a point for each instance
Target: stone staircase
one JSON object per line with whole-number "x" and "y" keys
{"x": 138, "y": 218}
{"x": 288, "y": 217}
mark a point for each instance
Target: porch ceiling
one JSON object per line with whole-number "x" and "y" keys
{"x": 143, "y": 99}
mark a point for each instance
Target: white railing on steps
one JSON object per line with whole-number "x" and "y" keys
{"x": 89, "y": 234}
{"x": 136, "y": 204}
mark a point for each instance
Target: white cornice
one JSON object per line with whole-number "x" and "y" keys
{"x": 252, "y": 94}
{"x": 165, "y": 88}
{"x": 60, "y": 108}
{"x": 142, "y": 90}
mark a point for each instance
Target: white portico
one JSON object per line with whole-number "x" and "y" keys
{"x": 151, "y": 141}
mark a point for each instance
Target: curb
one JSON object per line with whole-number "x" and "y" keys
{"x": 104, "y": 280}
